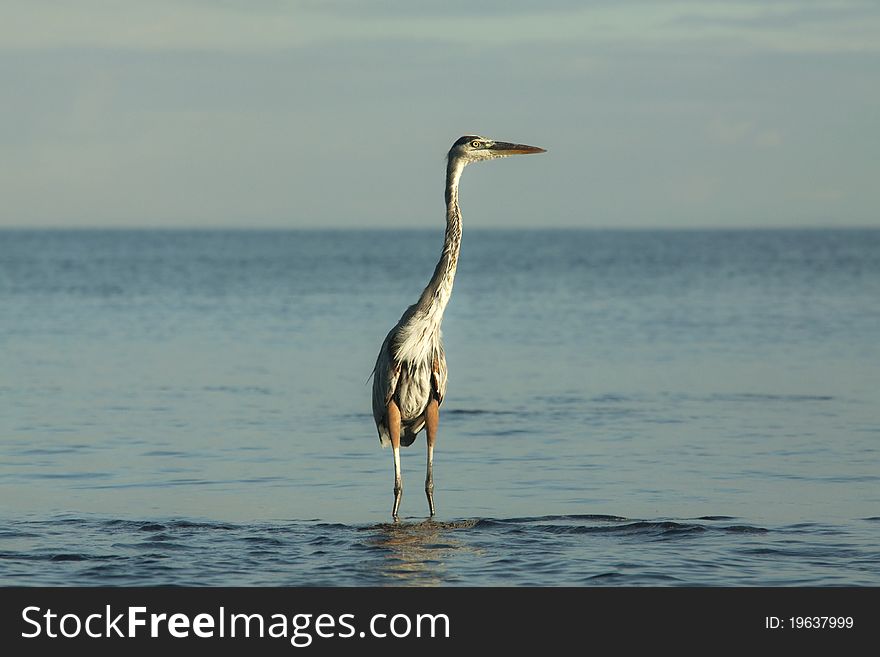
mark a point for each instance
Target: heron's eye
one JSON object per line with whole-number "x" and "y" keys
{"x": 476, "y": 143}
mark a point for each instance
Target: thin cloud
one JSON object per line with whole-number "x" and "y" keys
{"x": 272, "y": 25}
{"x": 731, "y": 132}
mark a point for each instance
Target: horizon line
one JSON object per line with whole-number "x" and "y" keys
{"x": 438, "y": 228}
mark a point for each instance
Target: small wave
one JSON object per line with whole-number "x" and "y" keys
{"x": 561, "y": 400}
{"x": 69, "y": 557}
{"x": 664, "y": 528}
{"x": 478, "y": 411}
{"x": 572, "y": 517}
{"x": 744, "y": 529}
{"x": 161, "y": 526}
{"x": 72, "y": 475}
{"x": 263, "y": 541}
{"x": 15, "y": 533}
{"x": 611, "y": 398}
{"x": 801, "y": 526}
{"x": 613, "y": 525}
{"x": 161, "y": 543}
{"x": 258, "y": 390}
{"x": 607, "y": 577}
{"x": 759, "y": 397}
{"x": 54, "y": 451}
{"x": 190, "y": 524}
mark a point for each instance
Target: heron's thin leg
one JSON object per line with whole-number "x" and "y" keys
{"x": 432, "y": 420}
{"x": 394, "y": 430}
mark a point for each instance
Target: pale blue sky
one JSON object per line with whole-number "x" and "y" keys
{"x": 268, "y": 113}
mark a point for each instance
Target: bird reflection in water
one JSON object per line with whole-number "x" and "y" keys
{"x": 416, "y": 553}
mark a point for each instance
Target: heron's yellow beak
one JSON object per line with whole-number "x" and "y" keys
{"x": 506, "y": 148}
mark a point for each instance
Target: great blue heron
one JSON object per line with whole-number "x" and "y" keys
{"x": 409, "y": 380}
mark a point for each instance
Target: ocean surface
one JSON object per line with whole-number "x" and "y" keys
{"x": 625, "y": 408}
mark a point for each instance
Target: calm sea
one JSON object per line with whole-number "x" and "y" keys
{"x": 624, "y": 408}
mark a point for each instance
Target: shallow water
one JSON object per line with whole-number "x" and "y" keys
{"x": 540, "y": 551}
{"x": 624, "y": 408}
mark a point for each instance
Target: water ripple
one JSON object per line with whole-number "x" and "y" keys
{"x": 572, "y": 550}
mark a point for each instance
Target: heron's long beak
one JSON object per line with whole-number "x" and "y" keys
{"x": 506, "y": 148}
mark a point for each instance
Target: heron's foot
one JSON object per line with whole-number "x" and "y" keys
{"x": 398, "y": 493}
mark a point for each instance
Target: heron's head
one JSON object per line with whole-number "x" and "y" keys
{"x": 473, "y": 148}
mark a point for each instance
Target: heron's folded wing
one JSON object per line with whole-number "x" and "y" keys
{"x": 386, "y": 374}
{"x": 438, "y": 376}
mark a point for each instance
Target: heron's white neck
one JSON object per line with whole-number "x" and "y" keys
{"x": 436, "y": 295}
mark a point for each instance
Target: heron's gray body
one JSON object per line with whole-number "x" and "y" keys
{"x": 409, "y": 376}
{"x": 409, "y": 379}
{"x": 411, "y": 367}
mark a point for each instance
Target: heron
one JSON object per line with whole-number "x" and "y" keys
{"x": 409, "y": 379}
